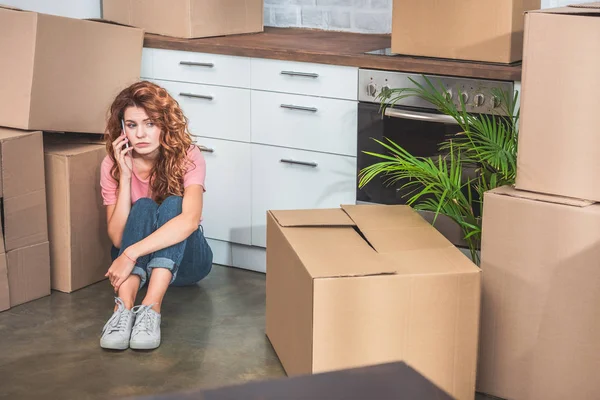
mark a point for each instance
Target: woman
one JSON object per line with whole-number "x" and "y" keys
{"x": 152, "y": 183}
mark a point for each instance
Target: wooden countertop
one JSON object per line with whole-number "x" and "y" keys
{"x": 327, "y": 47}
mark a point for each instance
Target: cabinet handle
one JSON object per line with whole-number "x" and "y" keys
{"x": 196, "y": 64}
{"x": 206, "y": 149}
{"x": 196, "y": 96}
{"x": 301, "y": 108}
{"x": 305, "y": 74}
{"x": 307, "y": 163}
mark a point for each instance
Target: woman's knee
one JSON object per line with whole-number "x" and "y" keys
{"x": 144, "y": 206}
{"x": 170, "y": 208}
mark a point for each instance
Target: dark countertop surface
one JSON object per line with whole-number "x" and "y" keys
{"x": 328, "y": 47}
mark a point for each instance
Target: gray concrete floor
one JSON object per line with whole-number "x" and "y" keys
{"x": 212, "y": 335}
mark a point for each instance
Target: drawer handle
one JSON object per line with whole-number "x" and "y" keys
{"x": 307, "y": 163}
{"x": 196, "y": 96}
{"x": 305, "y": 74}
{"x": 197, "y": 64}
{"x": 301, "y": 108}
{"x": 206, "y": 149}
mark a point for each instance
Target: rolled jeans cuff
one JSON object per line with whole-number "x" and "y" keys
{"x": 162, "y": 262}
{"x": 141, "y": 273}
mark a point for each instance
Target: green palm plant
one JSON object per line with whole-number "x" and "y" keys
{"x": 487, "y": 144}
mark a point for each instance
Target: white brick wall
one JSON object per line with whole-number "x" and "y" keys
{"x": 367, "y": 16}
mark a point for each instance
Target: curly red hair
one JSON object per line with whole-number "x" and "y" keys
{"x": 166, "y": 176}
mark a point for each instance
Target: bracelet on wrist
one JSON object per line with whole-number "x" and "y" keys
{"x": 131, "y": 259}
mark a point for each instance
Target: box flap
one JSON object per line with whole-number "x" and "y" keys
{"x": 12, "y": 8}
{"x": 70, "y": 149}
{"x": 317, "y": 217}
{"x": 333, "y": 252}
{"x": 534, "y": 196}
{"x": 392, "y": 229}
{"x": 592, "y": 8}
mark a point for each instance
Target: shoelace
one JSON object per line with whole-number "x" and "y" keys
{"x": 118, "y": 321}
{"x": 144, "y": 320}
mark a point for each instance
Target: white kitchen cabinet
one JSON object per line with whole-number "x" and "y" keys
{"x": 288, "y": 179}
{"x": 147, "y": 71}
{"x": 304, "y": 122}
{"x": 305, "y": 78}
{"x": 213, "y": 111}
{"x": 276, "y": 135}
{"x": 227, "y": 203}
{"x": 211, "y": 69}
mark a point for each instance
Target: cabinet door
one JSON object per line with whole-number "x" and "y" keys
{"x": 226, "y": 212}
{"x": 213, "y": 111}
{"x": 285, "y": 179}
{"x": 325, "y": 80}
{"x": 304, "y": 122}
{"x": 190, "y": 66}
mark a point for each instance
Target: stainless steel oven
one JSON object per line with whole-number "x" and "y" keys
{"x": 413, "y": 124}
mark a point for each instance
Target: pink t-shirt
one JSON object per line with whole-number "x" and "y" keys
{"x": 141, "y": 187}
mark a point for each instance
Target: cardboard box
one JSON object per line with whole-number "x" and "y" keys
{"x": 4, "y": 289}
{"x": 539, "y": 320}
{"x": 23, "y": 189}
{"x": 488, "y": 31}
{"x": 363, "y": 285}
{"x": 79, "y": 243}
{"x": 188, "y": 18}
{"x": 62, "y": 74}
{"x": 28, "y": 273}
{"x": 559, "y": 145}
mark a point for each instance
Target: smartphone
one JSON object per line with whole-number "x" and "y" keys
{"x": 123, "y": 126}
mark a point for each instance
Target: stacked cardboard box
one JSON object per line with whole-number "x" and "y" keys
{"x": 489, "y": 31}
{"x": 56, "y": 74}
{"x": 24, "y": 253}
{"x": 188, "y": 18}
{"x": 79, "y": 245}
{"x": 365, "y": 285}
{"x": 541, "y": 240}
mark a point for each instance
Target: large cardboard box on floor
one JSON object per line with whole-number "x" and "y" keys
{"x": 540, "y": 297}
{"x": 489, "y": 31}
{"x": 362, "y": 285}
{"x": 79, "y": 243}
{"x": 62, "y": 74}
{"x": 188, "y": 18}
{"x": 24, "y": 222}
{"x": 559, "y": 145}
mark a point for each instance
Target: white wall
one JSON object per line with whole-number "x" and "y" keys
{"x": 65, "y": 8}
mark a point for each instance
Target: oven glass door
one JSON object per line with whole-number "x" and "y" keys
{"x": 418, "y": 131}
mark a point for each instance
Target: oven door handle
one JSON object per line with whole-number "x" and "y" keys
{"x": 420, "y": 116}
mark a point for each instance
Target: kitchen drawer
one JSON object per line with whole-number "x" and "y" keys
{"x": 227, "y": 207}
{"x": 304, "y": 122}
{"x": 212, "y": 69}
{"x": 328, "y": 181}
{"x": 213, "y": 111}
{"x": 305, "y": 78}
{"x": 147, "y": 68}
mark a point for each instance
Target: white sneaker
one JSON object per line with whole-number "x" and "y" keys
{"x": 117, "y": 330}
{"x": 146, "y": 330}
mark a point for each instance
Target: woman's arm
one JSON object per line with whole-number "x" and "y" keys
{"x": 177, "y": 229}
{"x": 117, "y": 214}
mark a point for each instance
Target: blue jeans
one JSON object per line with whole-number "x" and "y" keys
{"x": 189, "y": 260}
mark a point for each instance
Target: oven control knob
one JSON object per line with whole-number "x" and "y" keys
{"x": 371, "y": 89}
{"x": 478, "y": 100}
{"x": 495, "y": 101}
{"x": 448, "y": 95}
{"x": 464, "y": 96}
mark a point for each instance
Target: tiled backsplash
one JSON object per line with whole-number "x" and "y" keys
{"x": 368, "y": 16}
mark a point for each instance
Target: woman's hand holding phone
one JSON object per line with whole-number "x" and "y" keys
{"x": 122, "y": 152}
